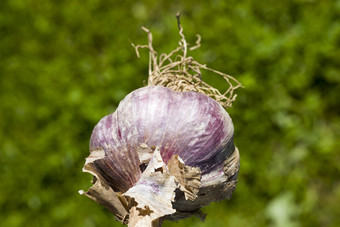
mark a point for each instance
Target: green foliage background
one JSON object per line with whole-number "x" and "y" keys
{"x": 65, "y": 64}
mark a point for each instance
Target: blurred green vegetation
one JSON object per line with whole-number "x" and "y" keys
{"x": 65, "y": 64}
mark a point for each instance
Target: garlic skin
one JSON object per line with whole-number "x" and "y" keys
{"x": 193, "y": 135}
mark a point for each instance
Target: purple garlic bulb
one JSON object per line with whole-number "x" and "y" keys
{"x": 162, "y": 155}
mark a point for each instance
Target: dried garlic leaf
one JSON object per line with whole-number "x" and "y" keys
{"x": 188, "y": 177}
{"x": 215, "y": 186}
{"x": 232, "y": 164}
{"x": 101, "y": 192}
{"x": 173, "y": 191}
{"x": 154, "y": 193}
{"x": 141, "y": 219}
{"x": 145, "y": 153}
{"x": 94, "y": 155}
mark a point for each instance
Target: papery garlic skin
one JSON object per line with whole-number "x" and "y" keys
{"x": 188, "y": 124}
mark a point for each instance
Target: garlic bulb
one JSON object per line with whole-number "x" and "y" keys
{"x": 168, "y": 149}
{"x": 162, "y": 155}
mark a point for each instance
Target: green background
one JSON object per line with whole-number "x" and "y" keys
{"x": 65, "y": 64}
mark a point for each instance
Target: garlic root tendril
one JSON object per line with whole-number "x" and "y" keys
{"x": 180, "y": 72}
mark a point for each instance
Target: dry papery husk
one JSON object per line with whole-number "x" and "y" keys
{"x": 171, "y": 191}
